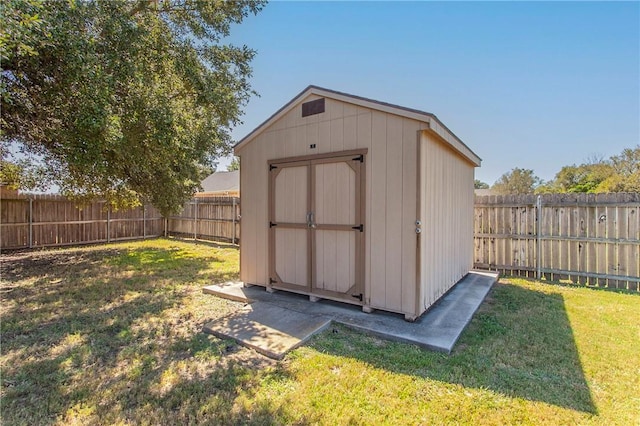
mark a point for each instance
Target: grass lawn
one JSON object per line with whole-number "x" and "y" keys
{"x": 111, "y": 335}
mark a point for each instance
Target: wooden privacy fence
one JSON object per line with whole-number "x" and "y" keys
{"x": 585, "y": 238}
{"x": 30, "y": 221}
{"x": 208, "y": 218}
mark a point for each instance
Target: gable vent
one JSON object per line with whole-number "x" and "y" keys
{"x": 313, "y": 107}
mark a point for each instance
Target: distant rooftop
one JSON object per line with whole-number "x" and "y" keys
{"x": 483, "y": 191}
{"x": 222, "y": 182}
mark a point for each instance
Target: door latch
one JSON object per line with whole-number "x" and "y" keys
{"x": 310, "y": 223}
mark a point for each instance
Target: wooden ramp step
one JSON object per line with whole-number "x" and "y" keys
{"x": 269, "y": 329}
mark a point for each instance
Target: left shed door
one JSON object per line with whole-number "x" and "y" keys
{"x": 290, "y": 240}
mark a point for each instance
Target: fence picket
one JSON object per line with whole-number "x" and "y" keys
{"x": 586, "y": 238}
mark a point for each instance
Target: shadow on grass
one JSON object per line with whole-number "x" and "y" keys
{"x": 100, "y": 336}
{"x": 519, "y": 344}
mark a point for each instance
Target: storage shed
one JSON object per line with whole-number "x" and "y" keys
{"x": 355, "y": 200}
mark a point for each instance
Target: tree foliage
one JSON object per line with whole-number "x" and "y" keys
{"x": 582, "y": 178}
{"x": 478, "y": 184}
{"x": 234, "y": 165}
{"x": 123, "y": 99}
{"x": 21, "y": 174}
{"x": 516, "y": 181}
{"x": 619, "y": 173}
{"x": 626, "y": 176}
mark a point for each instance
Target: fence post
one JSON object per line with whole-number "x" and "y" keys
{"x": 233, "y": 218}
{"x": 30, "y": 222}
{"x": 109, "y": 224}
{"x": 144, "y": 222}
{"x": 538, "y": 237}
{"x": 195, "y": 220}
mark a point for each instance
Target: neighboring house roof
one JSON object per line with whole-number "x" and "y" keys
{"x": 484, "y": 191}
{"x": 222, "y": 182}
{"x": 428, "y": 118}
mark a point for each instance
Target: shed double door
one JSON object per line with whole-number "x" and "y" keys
{"x": 316, "y": 236}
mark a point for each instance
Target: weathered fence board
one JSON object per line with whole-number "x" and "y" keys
{"x": 29, "y": 221}
{"x": 585, "y": 238}
{"x": 208, "y": 218}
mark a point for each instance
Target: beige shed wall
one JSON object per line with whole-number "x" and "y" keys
{"x": 391, "y": 194}
{"x": 446, "y": 248}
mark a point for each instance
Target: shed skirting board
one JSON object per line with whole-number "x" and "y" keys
{"x": 409, "y": 316}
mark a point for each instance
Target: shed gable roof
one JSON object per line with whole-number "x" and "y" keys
{"x": 434, "y": 124}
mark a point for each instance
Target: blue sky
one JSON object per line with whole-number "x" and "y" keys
{"x": 536, "y": 85}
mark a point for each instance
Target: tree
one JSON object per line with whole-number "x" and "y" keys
{"x": 516, "y": 181}
{"x": 620, "y": 173}
{"x": 123, "y": 99}
{"x": 626, "y": 176}
{"x": 234, "y": 165}
{"x": 582, "y": 178}
{"x": 478, "y": 184}
{"x": 21, "y": 174}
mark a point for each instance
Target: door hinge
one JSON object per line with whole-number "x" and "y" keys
{"x": 357, "y": 296}
{"x": 359, "y": 158}
{"x": 359, "y": 228}
{"x": 271, "y": 167}
{"x": 271, "y": 224}
{"x": 272, "y": 281}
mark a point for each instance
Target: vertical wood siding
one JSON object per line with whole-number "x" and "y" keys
{"x": 447, "y": 218}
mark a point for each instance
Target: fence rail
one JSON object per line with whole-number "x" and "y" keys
{"x": 31, "y": 221}
{"x": 586, "y": 238}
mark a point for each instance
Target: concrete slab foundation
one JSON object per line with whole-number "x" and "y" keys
{"x": 278, "y": 322}
{"x": 235, "y": 291}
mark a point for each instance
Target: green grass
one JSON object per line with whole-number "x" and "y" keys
{"x": 111, "y": 334}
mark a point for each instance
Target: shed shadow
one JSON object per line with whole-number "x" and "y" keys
{"x": 519, "y": 344}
